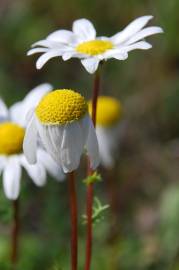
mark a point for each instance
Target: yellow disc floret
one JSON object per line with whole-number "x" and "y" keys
{"x": 94, "y": 47}
{"x": 60, "y": 107}
{"x": 108, "y": 111}
{"x": 11, "y": 138}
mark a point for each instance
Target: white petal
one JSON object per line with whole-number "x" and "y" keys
{"x": 11, "y": 178}
{"x": 138, "y": 45}
{"x": 92, "y": 147}
{"x": 30, "y": 141}
{"x": 145, "y": 33}
{"x": 71, "y": 147}
{"x": 121, "y": 56}
{"x": 51, "y": 137}
{"x": 90, "y": 64}
{"x": 84, "y": 29}
{"x": 105, "y": 138}
{"x": 49, "y": 44}
{"x": 47, "y": 56}
{"x": 67, "y": 55}
{"x": 16, "y": 112}
{"x": 19, "y": 111}
{"x": 109, "y": 140}
{"x": 36, "y": 172}
{"x": 50, "y": 165}
{"x": 131, "y": 29}
{"x": 84, "y": 125}
{"x": 118, "y": 53}
{"x": 37, "y": 50}
{"x": 3, "y": 111}
{"x": 63, "y": 36}
{"x": 35, "y": 95}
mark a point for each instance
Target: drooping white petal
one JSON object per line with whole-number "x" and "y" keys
{"x": 3, "y": 111}
{"x": 11, "y": 178}
{"x": 71, "y": 147}
{"x": 131, "y": 29}
{"x": 63, "y": 36}
{"x": 50, "y": 165}
{"x": 84, "y": 29}
{"x": 30, "y": 141}
{"x": 109, "y": 140}
{"x": 84, "y": 124}
{"x": 51, "y": 137}
{"x": 47, "y": 56}
{"x": 36, "y": 172}
{"x": 92, "y": 147}
{"x": 90, "y": 64}
{"x": 29, "y": 115}
{"x": 37, "y": 50}
{"x": 145, "y": 33}
{"x": 18, "y": 111}
{"x": 105, "y": 151}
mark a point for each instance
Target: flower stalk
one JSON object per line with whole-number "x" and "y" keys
{"x": 89, "y": 194}
{"x": 15, "y": 233}
{"x": 74, "y": 221}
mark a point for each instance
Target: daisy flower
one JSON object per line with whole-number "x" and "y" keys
{"x": 108, "y": 128}
{"x": 83, "y": 43}
{"x": 12, "y": 159}
{"x": 61, "y": 119}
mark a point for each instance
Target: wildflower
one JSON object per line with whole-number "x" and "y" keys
{"x": 61, "y": 119}
{"x": 83, "y": 43}
{"x": 12, "y": 159}
{"x": 108, "y": 128}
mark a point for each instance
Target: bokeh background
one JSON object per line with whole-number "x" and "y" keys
{"x": 140, "y": 230}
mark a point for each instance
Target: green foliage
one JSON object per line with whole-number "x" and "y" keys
{"x": 98, "y": 212}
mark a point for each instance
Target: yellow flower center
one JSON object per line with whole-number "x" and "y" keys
{"x": 61, "y": 107}
{"x": 108, "y": 111}
{"x": 94, "y": 47}
{"x": 11, "y": 138}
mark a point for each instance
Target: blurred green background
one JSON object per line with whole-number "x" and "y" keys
{"x": 141, "y": 232}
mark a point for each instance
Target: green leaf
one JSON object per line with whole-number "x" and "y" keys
{"x": 98, "y": 212}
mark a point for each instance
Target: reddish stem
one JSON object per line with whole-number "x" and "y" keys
{"x": 74, "y": 221}
{"x": 89, "y": 195}
{"x": 15, "y": 233}
{"x": 96, "y": 89}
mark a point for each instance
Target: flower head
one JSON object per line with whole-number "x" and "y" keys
{"x": 83, "y": 43}
{"x": 108, "y": 128}
{"x": 109, "y": 111}
{"x": 62, "y": 121}
{"x": 12, "y": 159}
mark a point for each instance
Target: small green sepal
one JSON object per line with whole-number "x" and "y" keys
{"x": 94, "y": 178}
